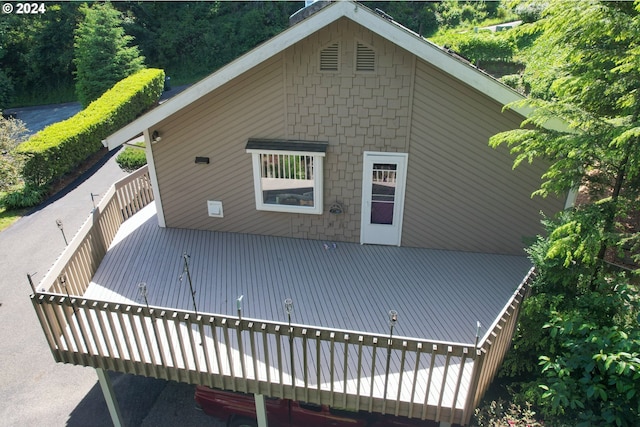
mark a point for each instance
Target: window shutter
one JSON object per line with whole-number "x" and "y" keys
{"x": 365, "y": 58}
{"x": 329, "y": 58}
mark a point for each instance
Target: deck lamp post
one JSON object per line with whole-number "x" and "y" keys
{"x": 61, "y": 227}
{"x": 93, "y": 200}
{"x": 288, "y": 308}
{"x": 478, "y": 326}
{"x": 393, "y": 319}
{"x": 239, "y": 306}
{"x": 143, "y": 292}
{"x": 186, "y": 270}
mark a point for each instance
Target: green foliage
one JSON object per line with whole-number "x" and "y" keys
{"x": 576, "y": 348}
{"x": 497, "y": 413}
{"x": 12, "y": 133}
{"x": 57, "y": 149}
{"x": 132, "y": 158}
{"x": 480, "y": 47}
{"x": 596, "y": 375}
{"x": 36, "y": 50}
{"x": 102, "y": 54}
{"x": 6, "y": 89}
{"x": 187, "y": 39}
{"x": 23, "y": 197}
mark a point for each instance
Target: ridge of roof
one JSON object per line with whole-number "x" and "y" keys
{"x": 381, "y": 25}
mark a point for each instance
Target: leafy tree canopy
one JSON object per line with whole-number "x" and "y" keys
{"x": 102, "y": 52}
{"x": 582, "y": 318}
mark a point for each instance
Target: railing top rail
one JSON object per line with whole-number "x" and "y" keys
{"x": 131, "y": 177}
{"x": 498, "y": 319}
{"x": 232, "y": 321}
{"x": 66, "y": 255}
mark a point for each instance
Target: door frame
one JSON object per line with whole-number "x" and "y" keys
{"x": 368, "y": 159}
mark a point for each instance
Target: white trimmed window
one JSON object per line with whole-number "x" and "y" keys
{"x": 287, "y": 175}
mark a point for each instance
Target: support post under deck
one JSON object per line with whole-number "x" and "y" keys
{"x": 110, "y": 397}
{"x": 261, "y": 410}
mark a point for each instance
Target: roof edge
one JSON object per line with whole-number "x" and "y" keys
{"x": 388, "y": 29}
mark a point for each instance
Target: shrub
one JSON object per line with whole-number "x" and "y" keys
{"x": 486, "y": 46}
{"x": 132, "y": 158}
{"x": 24, "y": 197}
{"x": 59, "y": 148}
{"x": 12, "y": 133}
{"x": 499, "y": 414}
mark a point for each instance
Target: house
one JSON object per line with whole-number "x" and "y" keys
{"x": 344, "y": 164}
{"x": 389, "y": 131}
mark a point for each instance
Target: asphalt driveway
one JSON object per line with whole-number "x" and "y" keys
{"x": 36, "y": 391}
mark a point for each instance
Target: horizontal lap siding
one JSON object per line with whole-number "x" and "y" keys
{"x": 218, "y": 126}
{"x": 461, "y": 193}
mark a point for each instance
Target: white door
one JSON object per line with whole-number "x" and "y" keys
{"x": 383, "y": 185}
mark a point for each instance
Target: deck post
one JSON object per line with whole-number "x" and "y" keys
{"x": 261, "y": 410}
{"x": 110, "y": 397}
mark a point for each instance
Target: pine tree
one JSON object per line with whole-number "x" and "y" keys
{"x": 102, "y": 52}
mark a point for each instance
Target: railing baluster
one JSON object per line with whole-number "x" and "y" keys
{"x": 443, "y": 385}
{"x": 402, "y": 359}
{"x": 305, "y": 365}
{"x": 415, "y": 379}
{"x": 344, "y": 375}
{"x": 359, "y": 378}
{"x": 373, "y": 373}
{"x": 458, "y": 382}
{"x": 263, "y": 328}
{"x": 332, "y": 365}
{"x": 434, "y": 348}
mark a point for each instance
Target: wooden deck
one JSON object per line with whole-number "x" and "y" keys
{"x": 439, "y": 295}
{"x": 337, "y": 350}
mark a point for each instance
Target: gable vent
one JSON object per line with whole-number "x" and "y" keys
{"x": 329, "y": 58}
{"x": 365, "y": 58}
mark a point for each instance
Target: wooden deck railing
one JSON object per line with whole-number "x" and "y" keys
{"x": 425, "y": 379}
{"x": 495, "y": 344}
{"x": 73, "y": 271}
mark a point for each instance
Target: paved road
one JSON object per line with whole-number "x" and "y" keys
{"x": 34, "y": 390}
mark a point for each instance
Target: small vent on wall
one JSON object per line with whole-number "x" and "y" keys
{"x": 365, "y": 58}
{"x": 329, "y": 58}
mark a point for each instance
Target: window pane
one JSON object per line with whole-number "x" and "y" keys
{"x": 383, "y": 193}
{"x": 287, "y": 179}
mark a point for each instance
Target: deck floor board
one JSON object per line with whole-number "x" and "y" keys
{"x": 439, "y": 295}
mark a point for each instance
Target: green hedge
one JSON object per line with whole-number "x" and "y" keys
{"x": 61, "y": 147}
{"x": 132, "y": 158}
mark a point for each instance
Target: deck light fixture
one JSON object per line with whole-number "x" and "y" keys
{"x": 478, "y": 326}
{"x": 142, "y": 291}
{"x": 393, "y": 319}
{"x": 288, "y": 308}
{"x": 93, "y": 200}
{"x": 186, "y": 270}
{"x": 239, "y": 306}
{"x": 61, "y": 227}
{"x": 155, "y": 137}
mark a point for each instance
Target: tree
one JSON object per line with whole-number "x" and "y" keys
{"x": 596, "y": 94}
{"x": 102, "y": 54}
{"x": 581, "y": 320}
{"x": 12, "y": 133}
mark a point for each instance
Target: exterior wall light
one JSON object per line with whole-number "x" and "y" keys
{"x": 155, "y": 137}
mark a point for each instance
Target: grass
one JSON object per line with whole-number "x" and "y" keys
{"x": 7, "y": 218}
